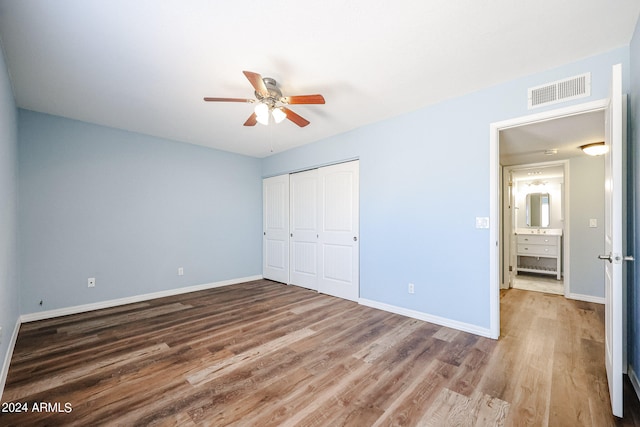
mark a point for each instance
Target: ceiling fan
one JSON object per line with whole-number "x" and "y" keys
{"x": 270, "y": 102}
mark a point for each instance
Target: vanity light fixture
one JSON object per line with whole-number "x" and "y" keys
{"x": 595, "y": 148}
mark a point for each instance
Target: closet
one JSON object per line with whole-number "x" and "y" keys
{"x": 311, "y": 229}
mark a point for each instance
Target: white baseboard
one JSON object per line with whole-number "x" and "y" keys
{"x": 442, "y": 321}
{"x": 586, "y": 298}
{"x": 31, "y": 317}
{"x": 7, "y": 357}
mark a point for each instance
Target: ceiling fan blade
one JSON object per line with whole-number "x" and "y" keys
{"x": 228, "y": 99}
{"x": 304, "y": 99}
{"x": 252, "y": 120}
{"x": 295, "y": 118}
{"x": 256, "y": 81}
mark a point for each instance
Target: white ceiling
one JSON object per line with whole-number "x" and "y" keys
{"x": 145, "y": 65}
{"x": 527, "y": 144}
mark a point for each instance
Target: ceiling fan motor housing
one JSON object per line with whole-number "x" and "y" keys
{"x": 274, "y": 93}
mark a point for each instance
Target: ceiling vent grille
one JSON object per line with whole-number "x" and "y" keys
{"x": 560, "y": 91}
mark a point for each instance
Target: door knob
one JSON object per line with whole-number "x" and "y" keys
{"x": 618, "y": 258}
{"x": 605, "y": 257}
{"x": 355, "y": 239}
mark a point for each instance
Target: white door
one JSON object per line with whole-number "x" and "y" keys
{"x": 275, "y": 240}
{"x": 614, "y": 310}
{"x": 338, "y": 262}
{"x": 509, "y": 231}
{"x": 304, "y": 229}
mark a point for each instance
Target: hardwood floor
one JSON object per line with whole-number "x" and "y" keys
{"x": 266, "y": 354}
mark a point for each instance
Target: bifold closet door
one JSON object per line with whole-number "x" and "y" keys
{"x": 338, "y": 243}
{"x": 304, "y": 229}
{"x": 275, "y": 240}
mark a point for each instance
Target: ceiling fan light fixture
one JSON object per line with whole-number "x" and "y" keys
{"x": 262, "y": 113}
{"x": 278, "y": 114}
{"x": 269, "y": 102}
{"x": 595, "y": 148}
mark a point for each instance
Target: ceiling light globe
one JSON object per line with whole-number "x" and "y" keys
{"x": 595, "y": 149}
{"x": 262, "y": 113}
{"x": 278, "y": 114}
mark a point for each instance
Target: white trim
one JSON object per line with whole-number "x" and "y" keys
{"x": 461, "y": 326}
{"x": 544, "y": 116}
{"x": 494, "y": 193}
{"x": 129, "y": 300}
{"x": 8, "y": 356}
{"x": 586, "y": 298}
{"x": 494, "y": 231}
{"x": 566, "y": 217}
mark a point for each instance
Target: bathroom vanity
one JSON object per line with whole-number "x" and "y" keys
{"x": 539, "y": 251}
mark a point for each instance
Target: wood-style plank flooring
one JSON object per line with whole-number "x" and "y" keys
{"x": 266, "y": 354}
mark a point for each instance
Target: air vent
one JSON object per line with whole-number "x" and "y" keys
{"x": 560, "y": 91}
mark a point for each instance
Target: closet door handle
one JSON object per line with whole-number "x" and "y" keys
{"x": 355, "y": 239}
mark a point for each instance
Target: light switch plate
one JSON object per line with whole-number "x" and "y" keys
{"x": 593, "y": 223}
{"x": 482, "y": 222}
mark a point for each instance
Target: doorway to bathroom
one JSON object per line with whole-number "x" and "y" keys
{"x": 535, "y": 220}
{"x": 552, "y": 216}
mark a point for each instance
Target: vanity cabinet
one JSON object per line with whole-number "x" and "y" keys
{"x": 539, "y": 254}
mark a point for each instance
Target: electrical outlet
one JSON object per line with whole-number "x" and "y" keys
{"x": 180, "y": 271}
{"x": 411, "y": 288}
{"x": 91, "y": 282}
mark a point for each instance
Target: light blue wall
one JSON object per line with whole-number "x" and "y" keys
{"x": 424, "y": 179}
{"x": 9, "y": 291}
{"x": 634, "y": 153}
{"x": 129, "y": 210}
{"x": 586, "y": 201}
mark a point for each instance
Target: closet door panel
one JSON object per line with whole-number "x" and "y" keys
{"x": 275, "y": 241}
{"x": 339, "y": 230}
{"x": 304, "y": 229}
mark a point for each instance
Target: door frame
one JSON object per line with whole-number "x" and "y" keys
{"x": 495, "y": 182}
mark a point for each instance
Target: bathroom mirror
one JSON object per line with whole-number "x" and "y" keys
{"x": 538, "y": 209}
